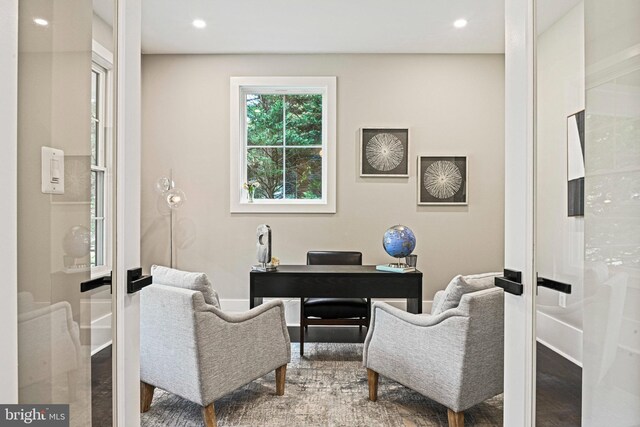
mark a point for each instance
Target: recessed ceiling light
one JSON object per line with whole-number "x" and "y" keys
{"x": 460, "y": 23}
{"x": 40, "y": 21}
{"x": 199, "y": 23}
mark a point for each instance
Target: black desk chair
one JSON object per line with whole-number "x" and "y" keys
{"x": 333, "y": 311}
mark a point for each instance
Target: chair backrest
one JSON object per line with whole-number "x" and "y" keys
{"x": 334, "y": 258}
{"x": 169, "y": 345}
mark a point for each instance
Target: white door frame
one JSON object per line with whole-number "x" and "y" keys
{"x": 519, "y": 328}
{"x": 9, "y": 209}
{"x": 128, "y": 166}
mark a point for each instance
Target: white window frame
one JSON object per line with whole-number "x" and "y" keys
{"x": 240, "y": 86}
{"x": 102, "y": 62}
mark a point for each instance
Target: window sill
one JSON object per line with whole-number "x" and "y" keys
{"x": 99, "y": 271}
{"x": 299, "y": 206}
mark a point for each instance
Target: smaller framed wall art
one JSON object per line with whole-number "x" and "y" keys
{"x": 442, "y": 180}
{"x": 575, "y": 164}
{"x": 384, "y": 152}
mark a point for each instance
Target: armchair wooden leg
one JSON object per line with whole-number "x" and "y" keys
{"x": 146, "y": 396}
{"x": 209, "y": 416}
{"x": 456, "y": 419}
{"x": 281, "y": 374}
{"x": 373, "y": 384}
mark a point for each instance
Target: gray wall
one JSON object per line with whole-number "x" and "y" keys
{"x": 454, "y": 104}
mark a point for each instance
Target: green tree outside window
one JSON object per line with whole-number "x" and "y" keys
{"x": 284, "y": 145}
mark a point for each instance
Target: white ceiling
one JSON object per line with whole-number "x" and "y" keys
{"x": 331, "y": 26}
{"x": 322, "y": 26}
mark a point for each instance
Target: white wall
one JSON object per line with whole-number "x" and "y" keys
{"x": 102, "y": 32}
{"x": 454, "y": 104}
{"x": 560, "y": 238}
{"x": 8, "y": 211}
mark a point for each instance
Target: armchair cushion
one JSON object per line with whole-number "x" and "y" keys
{"x": 182, "y": 279}
{"x": 459, "y": 286}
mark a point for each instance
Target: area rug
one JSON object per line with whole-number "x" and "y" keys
{"x": 325, "y": 387}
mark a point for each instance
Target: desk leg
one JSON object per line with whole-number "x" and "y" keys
{"x": 254, "y": 302}
{"x": 414, "y": 305}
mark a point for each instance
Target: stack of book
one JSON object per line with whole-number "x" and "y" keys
{"x": 395, "y": 268}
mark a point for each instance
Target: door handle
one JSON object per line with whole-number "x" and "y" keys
{"x": 136, "y": 281}
{"x": 511, "y": 282}
{"x": 95, "y": 283}
{"x": 565, "y": 288}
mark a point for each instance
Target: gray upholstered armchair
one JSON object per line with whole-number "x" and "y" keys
{"x": 189, "y": 347}
{"x": 453, "y": 356}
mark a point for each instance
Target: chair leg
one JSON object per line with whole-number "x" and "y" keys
{"x": 281, "y": 374}
{"x": 146, "y": 396}
{"x": 372, "y": 376}
{"x": 209, "y": 415}
{"x": 456, "y": 419}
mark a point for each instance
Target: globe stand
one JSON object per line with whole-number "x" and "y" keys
{"x": 398, "y": 264}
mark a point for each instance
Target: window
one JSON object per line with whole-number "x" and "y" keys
{"x": 283, "y": 142}
{"x": 101, "y": 133}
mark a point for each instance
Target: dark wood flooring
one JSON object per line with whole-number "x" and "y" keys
{"x": 558, "y": 390}
{"x": 559, "y": 381}
{"x": 101, "y": 389}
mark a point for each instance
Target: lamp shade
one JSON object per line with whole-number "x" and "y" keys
{"x": 175, "y": 198}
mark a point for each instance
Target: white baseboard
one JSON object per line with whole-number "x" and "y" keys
{"x": 564, "y": 339}
{"x": 292, "y": 307}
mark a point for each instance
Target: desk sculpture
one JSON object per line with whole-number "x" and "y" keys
{"x": 263, "y": 252}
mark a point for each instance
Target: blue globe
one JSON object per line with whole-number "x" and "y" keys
{"x": 399, "y": 241}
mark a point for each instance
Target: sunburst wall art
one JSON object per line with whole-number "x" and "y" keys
{"x": 442, "y": 180}
{"x": 384, "y": 152}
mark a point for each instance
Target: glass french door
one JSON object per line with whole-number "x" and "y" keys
{"x": 587, "y": 213}
{"x": 65, "y": 206}
{"x": 559, "y": 211}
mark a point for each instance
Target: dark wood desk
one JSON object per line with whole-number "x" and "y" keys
{"x": 336, "y": 281}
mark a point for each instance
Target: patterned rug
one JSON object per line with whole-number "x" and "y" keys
{"x": 326, "y": 387}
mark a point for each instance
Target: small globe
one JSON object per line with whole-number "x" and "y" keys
{"x": 399, "y": 241}
{"x": 77, "y": 241}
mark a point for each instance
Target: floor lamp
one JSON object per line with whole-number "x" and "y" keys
{"x": 174, "y": 198}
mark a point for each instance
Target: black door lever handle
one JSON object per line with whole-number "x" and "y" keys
{"x": 89, "y": 285}
{"x": 136, "y": 281}
{"x": 511, "y": 282}
{"x": 565, "y": 288}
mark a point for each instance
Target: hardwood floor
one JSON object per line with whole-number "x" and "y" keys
{"x": 559, "y": 390}
{"x": 101, "y": 389}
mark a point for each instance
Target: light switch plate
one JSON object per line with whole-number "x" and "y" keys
{"x": 52, "y": 171}
{"x": 562, "y": 300}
